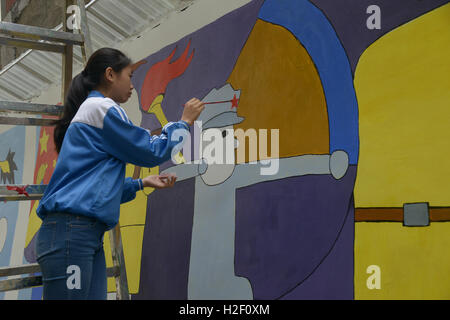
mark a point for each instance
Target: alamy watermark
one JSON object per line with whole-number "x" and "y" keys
{"x": 228, "y": 146}
{"x": 374, "y": 280}
{"x": 374, "y": 20}
{"x": 74, "y": 280}
{"x": 74, "y": 20}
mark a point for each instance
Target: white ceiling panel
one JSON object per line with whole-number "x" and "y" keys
{"x": 110, "y": 22}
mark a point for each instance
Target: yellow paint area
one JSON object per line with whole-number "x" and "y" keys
{"x": 132, "y": 237}
{"x": 402, "y": 84}
{"x": 157, "y": 110}
{"x": 281, "y": 89}
{"x": 132, "y": 222}
{"x": 34, "y": 223}
{"x": 414, "y": 261}
{"x": 4, "y": 166}
{"x": 43, "y": 141}
{"x": 41, "y": 173}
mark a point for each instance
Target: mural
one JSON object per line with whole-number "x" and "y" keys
{"x": 361, "y": 116}
{"x": 44, "y": 165}
{"x": 221, "y": 249}
{"x": 396, "y": 77}
{"x": 12, "y": 150}
{"x": 231, "y": 235}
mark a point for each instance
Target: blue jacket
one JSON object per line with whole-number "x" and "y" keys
{"x": 89, "y": 177}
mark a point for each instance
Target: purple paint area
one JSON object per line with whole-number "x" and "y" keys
{"x": 285, "y": 228}
{"x": 167, "y": 243}
{"x": 334, "y": 277}
{"x": 349, "y": 18}
{"x": 29, "y": 251}
{"x": 286, "y": 234}
{"x": 217, "y": 48}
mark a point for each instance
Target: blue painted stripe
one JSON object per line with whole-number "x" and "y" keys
{"x": 310, "y": 26}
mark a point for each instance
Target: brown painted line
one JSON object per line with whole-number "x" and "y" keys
{"x": 440, "y": 214}
{"x": 379, "y": 214}
{"x": 396, "y": 214}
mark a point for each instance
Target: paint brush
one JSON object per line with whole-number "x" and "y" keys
{"x": 215, "y": 102}
{"x": 234, "y": 102}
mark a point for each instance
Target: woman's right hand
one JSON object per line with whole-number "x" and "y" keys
{"x": 160, "y": 181}
{"x": 192, "y": 110}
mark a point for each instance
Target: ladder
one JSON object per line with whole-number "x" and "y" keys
{"x": 60, "y": 42}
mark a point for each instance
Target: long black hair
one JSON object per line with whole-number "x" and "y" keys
{"x": 89, "y": 79}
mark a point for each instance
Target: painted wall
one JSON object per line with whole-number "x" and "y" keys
{"x": 402, "y": 85}
{"x": 361, "y": 117}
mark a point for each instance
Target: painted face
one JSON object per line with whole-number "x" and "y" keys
{"x": 219, "y": 172}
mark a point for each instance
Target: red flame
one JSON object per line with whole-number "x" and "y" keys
{"x": 161, "y": 73}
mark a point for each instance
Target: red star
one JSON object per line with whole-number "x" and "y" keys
{"x": 234, "y": 102}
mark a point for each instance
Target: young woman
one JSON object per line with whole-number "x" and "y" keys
{"x": 95, "y": 139}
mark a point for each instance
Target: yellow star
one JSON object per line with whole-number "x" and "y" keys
{"x": 54, "y": 163}
{"x": 4, "y": 166}
{"x": 43, "y": 141}
{"x": 41, "y": 173}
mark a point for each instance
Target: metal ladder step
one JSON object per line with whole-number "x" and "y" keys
{"x": 10, "y": 193}
{"x": 31, "y": 108}
{"x": 9, "y": 110}
{"x": 34, "y": 280}
{"x": 30, "y": 37}
{"x": 38, "y": 33}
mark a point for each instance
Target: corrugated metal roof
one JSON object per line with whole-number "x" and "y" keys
{"x": 110, "y": 22}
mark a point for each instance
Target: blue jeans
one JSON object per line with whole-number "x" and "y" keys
{"x": 69, "y": 250}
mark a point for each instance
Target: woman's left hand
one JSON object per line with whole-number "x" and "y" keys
{"x": 160, "y": 181}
